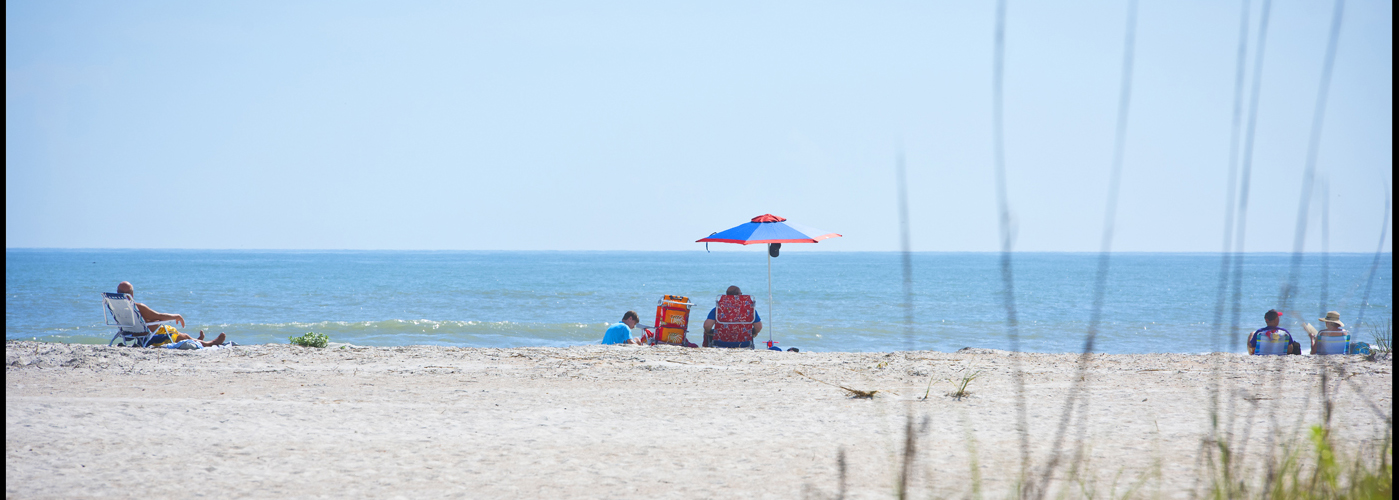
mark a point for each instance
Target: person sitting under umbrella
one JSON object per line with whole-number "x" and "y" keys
{"x": 711, "y": 321}
{"x": 766, "y": 229}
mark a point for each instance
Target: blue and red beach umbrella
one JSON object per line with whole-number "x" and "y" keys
{"x": 768, "y": 228}
{"x": 774, "y": 231}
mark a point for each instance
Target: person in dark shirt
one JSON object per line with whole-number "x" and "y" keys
{"x": 711, "y": 320}
{"x": 1272, "y": 339}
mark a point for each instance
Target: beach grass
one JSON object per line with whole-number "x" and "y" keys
{"x": 1308, "y": 468}
{"x": 961, "y": 391}
{"x": 1383, "y": 337}
{"x": 1302, "y": 461}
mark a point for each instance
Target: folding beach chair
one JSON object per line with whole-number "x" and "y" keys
{"x": 1332, "y": 345}
{"x": 120, "y": 311}
{"x": 672, "y": 321}
{"x": 733, "y": 317}
{"x": 1272, "y": 345}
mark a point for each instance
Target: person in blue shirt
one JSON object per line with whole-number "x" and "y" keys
{"x": 620, "y": 333}
{"x": 710, "y": 321}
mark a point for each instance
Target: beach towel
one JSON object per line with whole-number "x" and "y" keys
{"x": 163, "y": 335}
{"x": 185, "y": 344}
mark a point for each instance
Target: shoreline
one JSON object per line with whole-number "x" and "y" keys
{"x": 98, "y": 342}
{"x": 614, "y": 421}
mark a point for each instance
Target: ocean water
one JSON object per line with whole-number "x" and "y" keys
{"x": 821, "y": 301}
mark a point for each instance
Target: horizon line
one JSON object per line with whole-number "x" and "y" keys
{"x": 1207, "y": 252}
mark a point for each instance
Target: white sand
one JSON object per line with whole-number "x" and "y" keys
{"x": 610, "y": 422}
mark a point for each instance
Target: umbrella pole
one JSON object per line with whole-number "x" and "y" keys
{"x": 769, "y": 298}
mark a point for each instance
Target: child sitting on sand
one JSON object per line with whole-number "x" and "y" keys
{"x": 620, "y": 333}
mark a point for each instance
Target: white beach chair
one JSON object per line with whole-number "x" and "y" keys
{"x": 120, "y": 311}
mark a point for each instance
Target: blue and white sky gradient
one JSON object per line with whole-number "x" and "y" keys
{"x": 645, "y": 125}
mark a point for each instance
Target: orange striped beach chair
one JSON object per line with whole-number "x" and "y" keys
{"x": 672, "y": 321}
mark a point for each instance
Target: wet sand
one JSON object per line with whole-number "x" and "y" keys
{"x": 628, "y": 421}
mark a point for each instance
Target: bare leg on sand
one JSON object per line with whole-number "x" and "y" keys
{"x": 217, "y": 340}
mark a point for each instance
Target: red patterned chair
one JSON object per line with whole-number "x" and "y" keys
{"x": 734, "y": 316}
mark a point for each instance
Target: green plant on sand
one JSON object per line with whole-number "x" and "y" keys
{"x": 1382, "y": 338}
{"x": 310, "y": 339}
{"x": 1320, "y": 474}
{"x": 962, "y": 391}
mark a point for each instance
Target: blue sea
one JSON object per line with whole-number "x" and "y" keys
{"x": 821, "y": 301}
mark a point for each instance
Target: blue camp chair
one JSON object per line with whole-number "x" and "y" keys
{"x": 1332, "y": 345}
{"x": 1272, "y": 345}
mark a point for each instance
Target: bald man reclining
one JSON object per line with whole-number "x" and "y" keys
{"x": 151, "y": 316}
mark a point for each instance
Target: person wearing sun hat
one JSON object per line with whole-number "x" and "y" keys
{"x": 1334, "y": 328}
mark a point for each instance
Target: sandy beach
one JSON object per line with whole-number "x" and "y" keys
{"x": 626, "y": 422}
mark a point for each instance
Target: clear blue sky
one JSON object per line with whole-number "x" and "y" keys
{"x": 646, "y": 125}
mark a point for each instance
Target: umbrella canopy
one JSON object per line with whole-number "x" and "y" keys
{"x": 768, "y": 228}
{"x": 774, "y": 231}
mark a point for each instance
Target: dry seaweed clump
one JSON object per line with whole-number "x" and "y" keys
{"x": 854, "y": 393}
